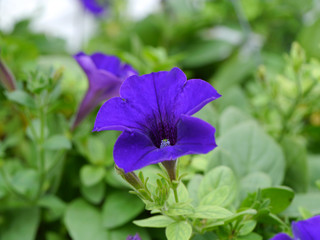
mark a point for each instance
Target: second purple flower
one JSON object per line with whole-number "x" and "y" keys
{"x": 154, "y": 112}
{"x": 105, "y": 75}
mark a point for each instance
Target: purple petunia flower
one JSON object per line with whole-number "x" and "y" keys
{"x": 303, "y": 230}
{"x": 105, "y": 75}
{"x": 154, "y": 112}
{"x": 94, "y": 6}
{"x": 135, "y": 237}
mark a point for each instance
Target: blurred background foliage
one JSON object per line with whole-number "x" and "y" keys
{"x": 58, "y": 184}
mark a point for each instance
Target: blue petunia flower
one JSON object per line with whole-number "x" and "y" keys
{"x": 94, "y": 6}
{"x": 135, "y": 237}
{"x": 154, "y": 112}
{"x": 303, "y": 230}
{"x": 105, "y": 75}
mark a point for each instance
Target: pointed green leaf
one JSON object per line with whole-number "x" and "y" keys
{"x": 21, "y": 97}
{"x": 211, "y": 212}
{"x": 179, "y": 231}
{"x": 84, "y": 222}
{"x": 119, "y": 208}
{"x": 91, "y": 175}
{"x": 219, "y": 180}
{"x": 57, "y": 142}
{"x": 154, "y": 222}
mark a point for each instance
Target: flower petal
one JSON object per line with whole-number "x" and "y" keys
{"x": 281, "y": 236}
{"x": 135, "y": 150}
{"x": 154, "y": 93}
{"x": 108, "y": 63}
{"x": 195, "y": 95}
{"x": 93, "y": 6}
{"x": 119, "y": 114}
{"x": 307, "y": 229}
{"x": 97, "y": 78}
{"x": 195, "y": 136}
{"x": 92, "y": 99}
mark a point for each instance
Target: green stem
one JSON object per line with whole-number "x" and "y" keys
{"x": 176, "y": 198}
{"x": 287, "y": 117}
{"x": 40, "y": 148}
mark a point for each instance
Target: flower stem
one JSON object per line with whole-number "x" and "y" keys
{"x": 176, "y": 198}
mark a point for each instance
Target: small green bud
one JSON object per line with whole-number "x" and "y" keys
{"x": 298, "y": 56}
{"x": 262, "y": 73}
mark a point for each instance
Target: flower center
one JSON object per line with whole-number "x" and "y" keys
{"x": 164, "y": 143}
{"x": 162, "y": 131}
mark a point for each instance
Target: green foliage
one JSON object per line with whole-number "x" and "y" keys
{"x": 119, "y": 208}
{"x": 84, "y": 221}
{"x": 57, "y": 183}
{"x": 179, "y": 230}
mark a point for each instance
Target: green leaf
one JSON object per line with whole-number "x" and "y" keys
{"x": 254, "y": 181}
{"x": 22, "y": 98}
{"x": 233, "y": 72}
{"x": 57, "y": 142}
{"x": 251, "y": 236}
{"x": 193, "y": 187}
{"x": 239, "y": 215}
{"x": 218, "y": 180}
{"x": 313, "y": 170}
{"x": 218, "y": 157}
{"x": 206, "y": 236}
{"x": 252, "y": 9}
{"x": 309, "y": 201}
{"x": 207, "y": 52}
{"x": 96, "y": 150}
{"x": 179, "y": 208}
{"x": 247, "y": 227}
{"x": 20, "y": 224}
{"x": 36, "y": 124}
{"x": 280, "y": 198}
{"x": 91, "y": 175}
{"x": 94, "y": 193}
{"x": 234, "y": 96}
{"x": 211, "y": 212}
{"x": 296, "y": 160}
{"x": 217, "y": 197}
{"x": 183, "y": 194}
{"x": 119, "y": 208}
{"x": 26, "y": 182}
{"x": 252, "y": 150}
{"x": 230, "y": 118}
{"x": 179, "y": 231}
{"x": 84, "y": 222}
{"x": 155, "y": 222}
{"x": 54, "y": 205}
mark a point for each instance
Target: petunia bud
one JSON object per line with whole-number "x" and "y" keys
{"x": 130, "y": 178}
{"x": 170, "y": 166}
{"x": 6, "y": 77}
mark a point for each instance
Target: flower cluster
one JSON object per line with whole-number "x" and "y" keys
{"x": 154, "y": 112}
